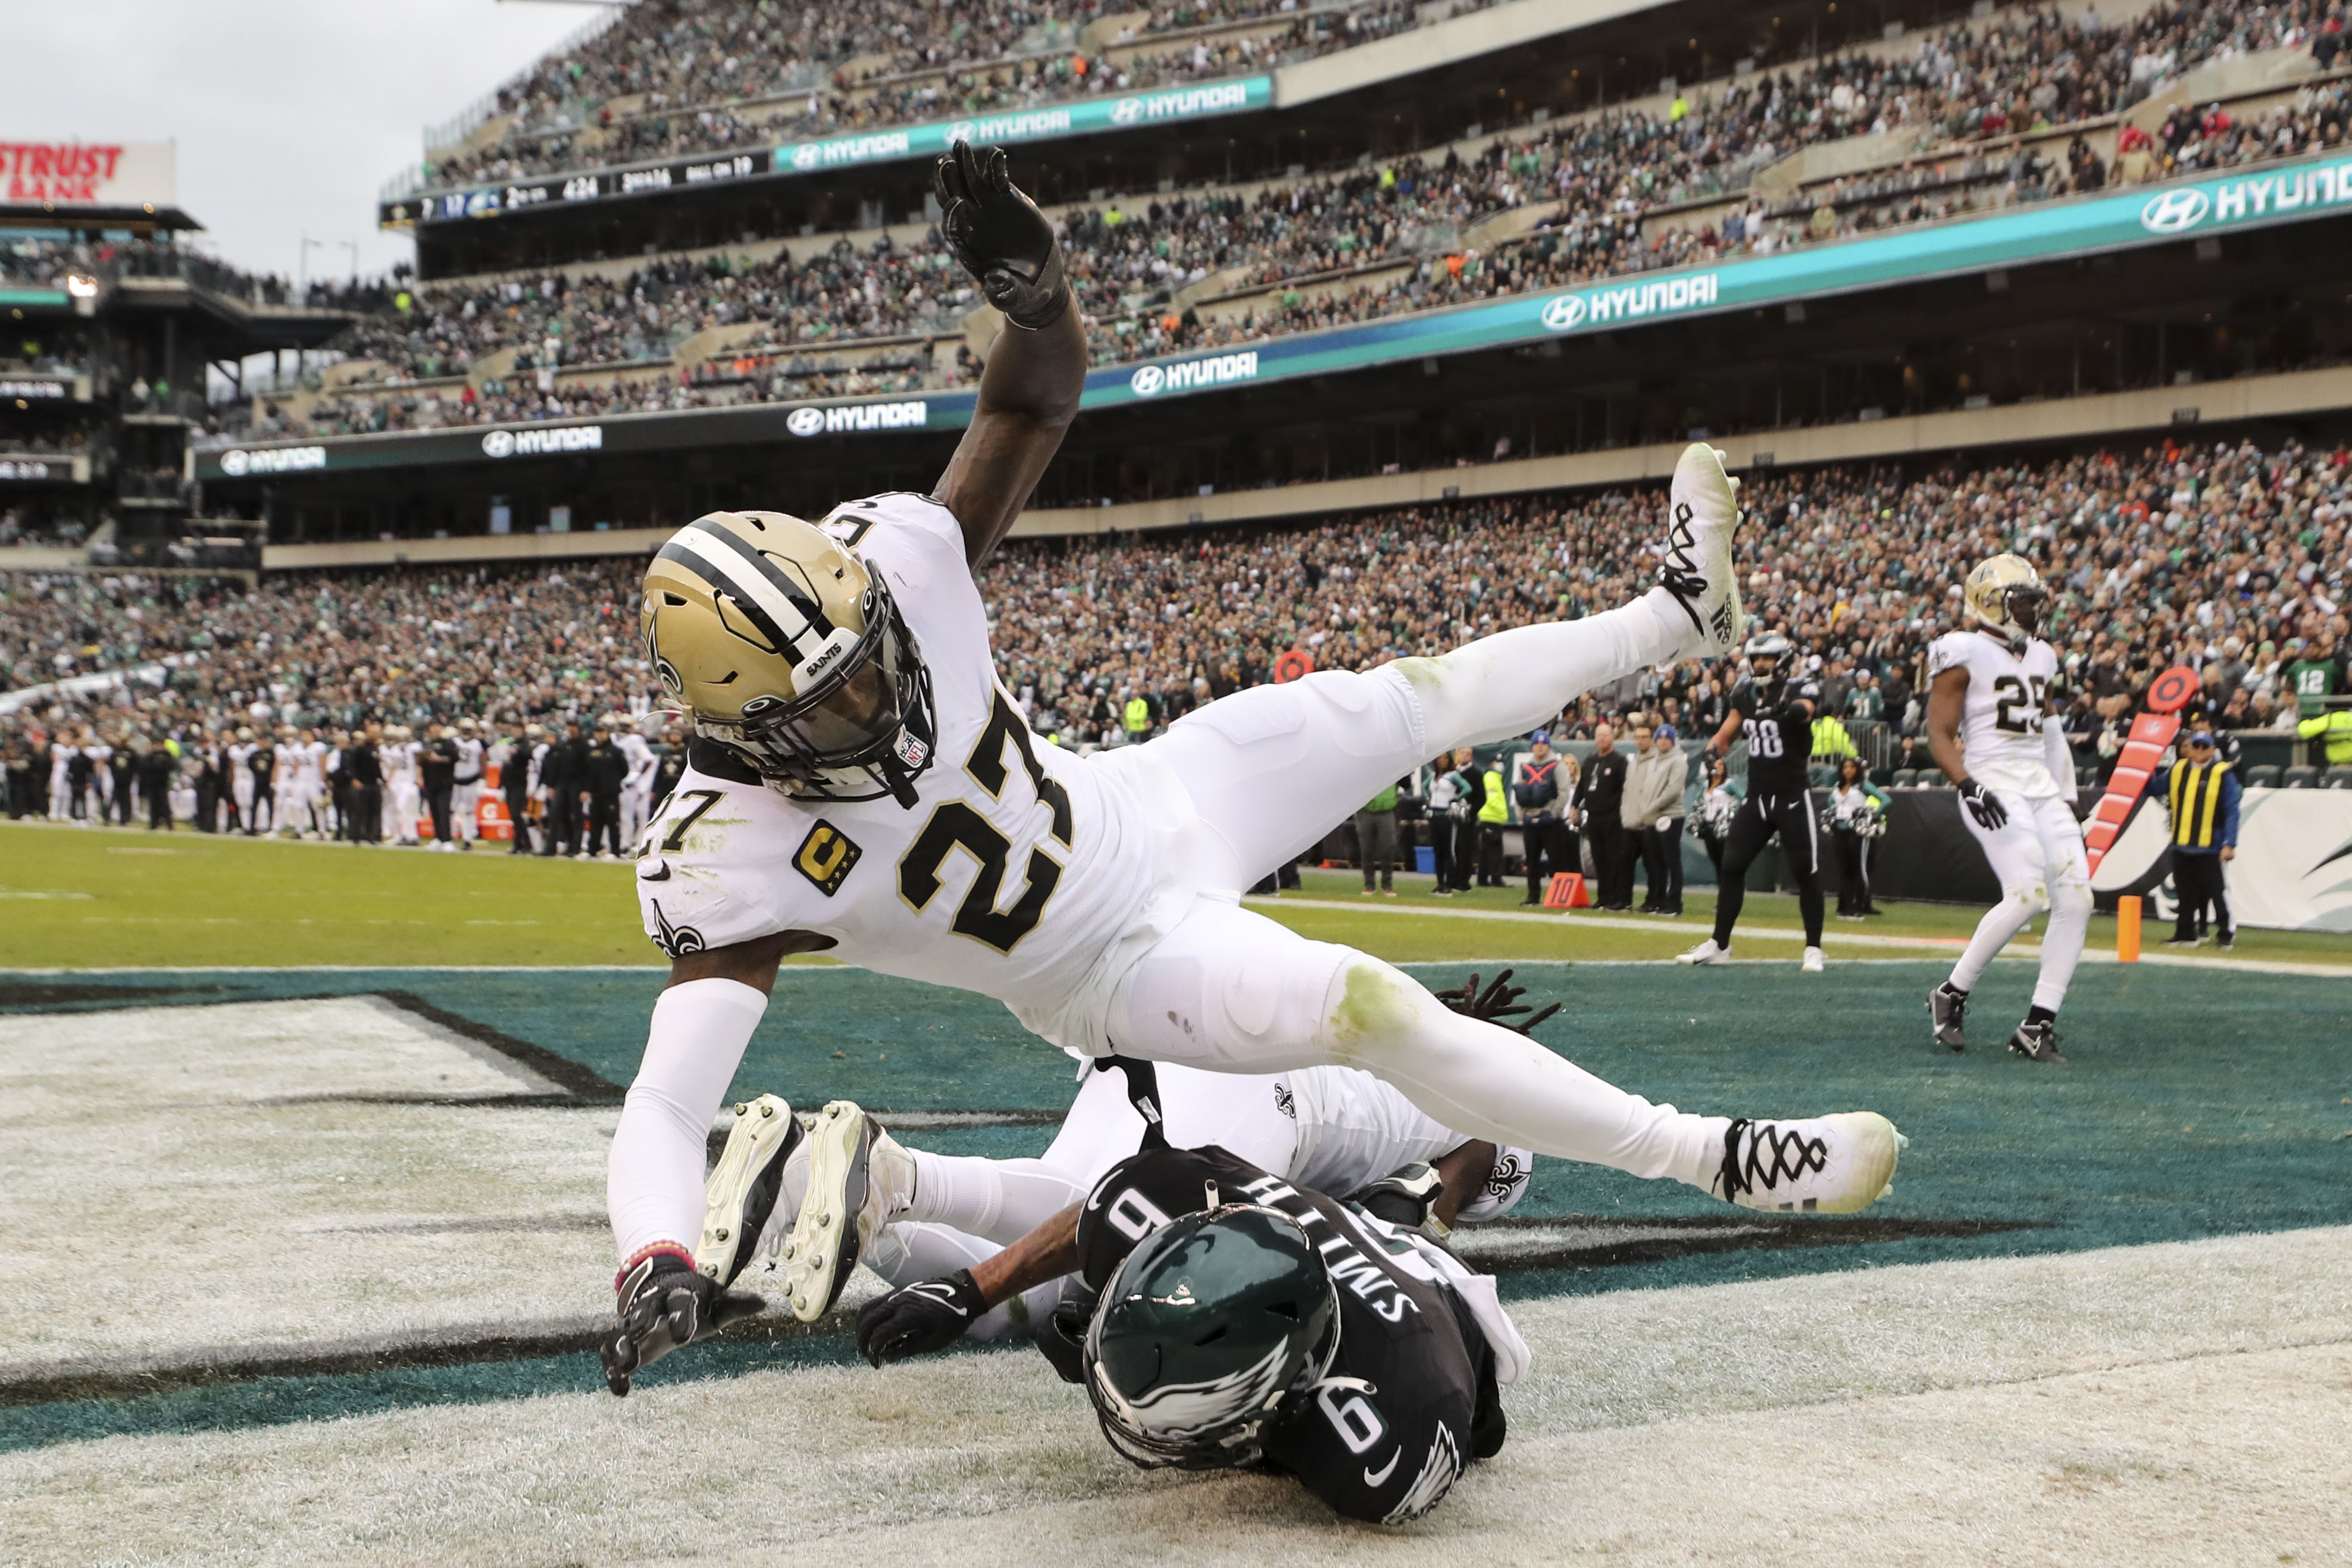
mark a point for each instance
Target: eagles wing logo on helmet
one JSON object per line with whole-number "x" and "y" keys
{"x": 2004, "y": 595}
{"x": 1171, "y": 1392}
{"x": 784, "y": 648}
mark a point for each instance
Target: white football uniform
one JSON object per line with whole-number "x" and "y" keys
{"x": 1099, "y": 897}
{"x": 400, "y": 789}
{"x": 637, "y": 789}
{"x": 465, "y": 791}
{"x": 240, "y": 780}
{"x": 62, "y": 782}
{"x": 1025, "y": 874}
{"x": 2037, "y": 854}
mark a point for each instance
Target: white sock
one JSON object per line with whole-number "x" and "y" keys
{"x": 998, "y": 1200}
{"x": 1508, "y": 684}
{"x": 2001, "y": 922}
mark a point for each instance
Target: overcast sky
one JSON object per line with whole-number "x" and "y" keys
{"x": 289, "y": 114}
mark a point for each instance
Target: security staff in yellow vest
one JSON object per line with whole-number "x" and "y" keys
{"x": 2203, "y": 798}
{"x": 1134, "y": 717}
{"x": 2332, "y": 730}
{"x": 1493, "y": 813}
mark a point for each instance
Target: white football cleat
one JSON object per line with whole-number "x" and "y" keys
{"x": 1813, "y": 965}
{"x": 1823, "y": 1165}
{"x": 1702, "y": 515}
{"x": 740, "y": 1196}
{"x": 1706, "y": 952}
{"x": 859, "y": 1180}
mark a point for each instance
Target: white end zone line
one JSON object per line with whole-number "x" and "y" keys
{"x": 1831, "y": 941}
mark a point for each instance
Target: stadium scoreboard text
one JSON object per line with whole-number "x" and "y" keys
{"x": 828, "y": 153}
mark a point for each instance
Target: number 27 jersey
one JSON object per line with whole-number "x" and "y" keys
{"x": 2000, "y": 725}
{"x": 1017, "y": 874}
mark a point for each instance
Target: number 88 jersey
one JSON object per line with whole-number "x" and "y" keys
{"x": 2000, "y": 725}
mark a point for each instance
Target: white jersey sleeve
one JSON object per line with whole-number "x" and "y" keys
{"x": 2001, "y": 718}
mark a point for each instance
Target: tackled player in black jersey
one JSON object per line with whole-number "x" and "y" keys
{"x": 1773, "y": 711}
{"x": 1222, "y": 1318}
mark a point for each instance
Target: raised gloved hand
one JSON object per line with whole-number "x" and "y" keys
{"x": 665, "y": 1303}
{"x": 1494, "y": 1004}
{"x": 1983, "y": 805}
{"x": 918, "y": 1319}
{"x": 1000, "y": 237}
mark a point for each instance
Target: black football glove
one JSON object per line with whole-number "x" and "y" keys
{"x": 665, "y": 1303}
{"x": 918, "y": 1319}
{"x": 1000, "y": 237}
{"x": 1983, "y": 805}
{"x": 1494, "y": 1004}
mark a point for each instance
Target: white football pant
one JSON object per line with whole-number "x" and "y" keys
{"x": 1332, "y": 1129}
{"x": 465, "y": 812}
{"x": 1272, "y": 769}
{"x": 2038, "y": 857}
{"x": 637, "y": 803}
{"x": 406, "y": 802}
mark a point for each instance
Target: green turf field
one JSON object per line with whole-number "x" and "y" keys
{"x": 74, "y": 898}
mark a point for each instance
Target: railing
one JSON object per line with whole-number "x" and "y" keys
{"x": 451, "y": 132}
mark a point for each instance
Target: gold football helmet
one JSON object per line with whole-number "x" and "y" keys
{"x": 2005, "y": 596}
{"x": 784, "y": 649}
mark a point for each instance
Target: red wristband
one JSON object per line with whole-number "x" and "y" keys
{"x": 651, "y": 1250}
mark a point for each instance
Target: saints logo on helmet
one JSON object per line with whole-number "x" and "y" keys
{"x": 1215, "y": 1326}
{"x": 1769, "y": 657}
{"x": 786, "y": 651}
{"x": 2005, "y": 596}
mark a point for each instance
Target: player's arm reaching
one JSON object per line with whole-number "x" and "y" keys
{"x": 1947, "y": 698}
{"x": 1029, "y": 393}
{"x": 701, "y": 1027}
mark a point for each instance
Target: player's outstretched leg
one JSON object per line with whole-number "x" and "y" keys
{"x": 1231, "y": 990}
{"x": 1271, "y": 770}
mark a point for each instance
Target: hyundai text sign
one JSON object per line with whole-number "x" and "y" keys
{"x": 237, "y": 463}
{"x": 2184, "y": 208}
{"x": 1187, "y": 375}
{"x": 1183, "y": 103}
{"x": 857, "y": 416}
{"x": 1602, "y": 307}
{"x": 541, "y": 442}
{"x": 89, "y": 174}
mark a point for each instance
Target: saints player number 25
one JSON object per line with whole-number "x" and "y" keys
{"x": 2018, "y": 702}
{"x": 957, "y": 825}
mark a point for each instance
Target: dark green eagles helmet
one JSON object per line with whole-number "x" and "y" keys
{"x": 1216, "y": 1325}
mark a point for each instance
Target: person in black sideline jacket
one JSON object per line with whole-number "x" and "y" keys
{"x": 364, "y": 769}
{"x": 153, "y": 767}
{"x": 563, "y": 775}
{"x": 436, "y": 765}
{"x": 602, "y": 771}
{"x": 1601, "y": 801}
{"x": 514, "y": 783}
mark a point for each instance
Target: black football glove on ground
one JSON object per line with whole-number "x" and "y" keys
{"x": 1000, "y": 237}
{"x": 1494, "y": 1004}
{"x": 664, "y": 1304}
{"x": 1983, "y": 805}
{"x": 918, "y": 1319}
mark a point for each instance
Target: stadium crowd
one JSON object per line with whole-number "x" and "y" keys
{"x": 2228, "y": 558}
{"x": 1381, "y": 240}
{"x": 694, "y": 75}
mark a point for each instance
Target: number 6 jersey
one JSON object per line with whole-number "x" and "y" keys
{"x": 2000, "y": 726}
{"x": 1023, "y": 873}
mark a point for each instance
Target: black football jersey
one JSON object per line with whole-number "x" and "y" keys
{"x": 1387, "y": 1453}
{"x": 1780, "y": 735}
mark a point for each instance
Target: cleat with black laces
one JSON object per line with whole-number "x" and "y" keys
{"x": 1949, "y": 1006}
{"x": 1702, "y": 515}
{"x": 1822, "y": 1165}
{"x": 2036, "y": 1042}
{"x": 740, "y": 1198}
